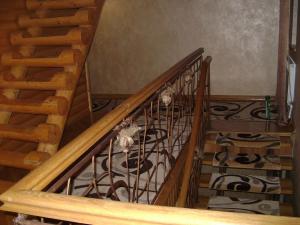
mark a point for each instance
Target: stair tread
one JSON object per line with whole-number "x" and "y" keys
{"x": 257, "y": 140}
{"x": 4, "y": 185}
{"x": 59, "y": 81}
{"x": 250, "y": 127}
{"x": 265, "y": 207}
{"x": 253, "y": 184}
{"x": 64, "y": 58}
{"x": 44, "y": 132}
{"x": 73, "y": 36}
{"x": 52, "y": 105}
{"x": 256, "y": 143}
{"x": 22, "y": 160}
{"x": 83, "y": 16}
{"x": 248, "y": 161}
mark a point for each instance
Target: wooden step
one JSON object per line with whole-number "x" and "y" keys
{"x": 52, "y": 105}
{"x": 65, "y": 58}
{"x": 5, "y": 185}
{"x": 59, "y": 81}
{"x": 22, "y": 160}
{"x": 248, "y": 127}
{"x": 48, "y": 133}
{"x": 81, "y": 17}
{"x": 74, "y": 36}
{"x": 232, "y": 182}
{"x": 59, "y": 4}
{"x": 257, "y": 143}
{"x": 248, "y": 161}
{"x": 244, "y": 205}
{"x": 257, "y": 140}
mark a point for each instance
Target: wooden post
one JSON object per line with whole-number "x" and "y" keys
{"x": 283, "y": 52}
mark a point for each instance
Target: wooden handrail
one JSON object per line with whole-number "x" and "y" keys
{"x": 98, "y": 211}
{"x": 195, "y": 132}
{"x": 43, "y": 175}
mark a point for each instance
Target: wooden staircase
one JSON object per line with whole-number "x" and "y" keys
{"x": 247, "y": 167}
{"x": 39, "y": 78}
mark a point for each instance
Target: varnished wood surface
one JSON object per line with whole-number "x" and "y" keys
{"x": 196, "y": 127}
{"x": 4, "y": 185}
{"x": 238, "y": 98}
{"x": 97, "y": 211}
{"x": 22, "y": 160}
{"x": 284, "y": 148}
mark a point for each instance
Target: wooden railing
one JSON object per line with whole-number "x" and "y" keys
{"x": 167, "y": 105}
{"x": 29, "y": 196}
{"x": 182, "y": 186}
{"x": 196, "y": 142}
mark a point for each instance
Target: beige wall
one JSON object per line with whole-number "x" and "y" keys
{"x": 136, "y": 40}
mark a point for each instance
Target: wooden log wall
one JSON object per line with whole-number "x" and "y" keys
{"x": 43, "y": 86}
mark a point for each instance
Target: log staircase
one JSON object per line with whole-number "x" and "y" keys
{"x": 247, "y": 167}
{"x": 39, "y": 77}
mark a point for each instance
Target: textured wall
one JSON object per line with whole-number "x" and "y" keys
{"x": 136, "y": 40}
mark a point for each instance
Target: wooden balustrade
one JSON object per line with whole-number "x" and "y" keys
{"x": 4, "y": 185}
{"x": 196, "y": 129}
{"x": 97, "y": 211}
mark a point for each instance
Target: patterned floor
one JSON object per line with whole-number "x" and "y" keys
{"x": 246, "y": 110}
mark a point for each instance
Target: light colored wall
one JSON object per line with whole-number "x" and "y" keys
{"x": 137, "y": 40}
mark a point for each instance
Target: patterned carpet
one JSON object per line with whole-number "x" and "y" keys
{"x": 265, "y": 207}
{"x": 246, "y": 110}
{"x": 123, "y": 182}
{"x": 246, "y": 161}
{"x": 245, "y": 183}
{"x": 241, "y": 140}
{"x": 120, "y": 182}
